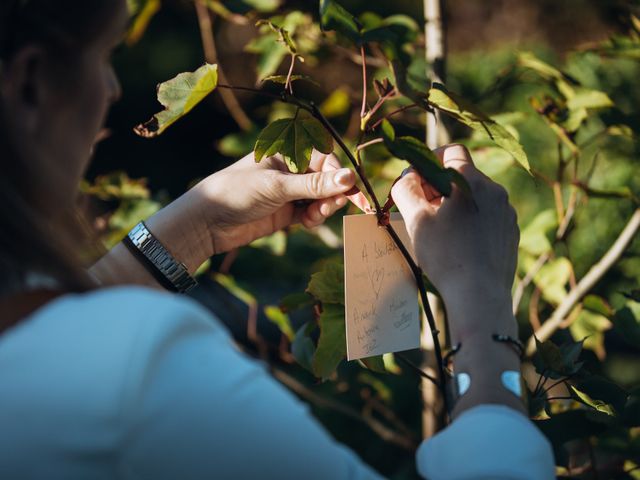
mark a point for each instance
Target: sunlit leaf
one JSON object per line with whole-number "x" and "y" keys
{"x": 336, "y": 104}
{"x": 179, "y": 95}
{"x": 143, "y": 16}
{"x": 332, "y": 344}
{"x": 587, "y": 98}
{"x": 276, "y": 243}
{"x": 281, "y": 319}
{"x": 605, "y": 391}
{"x": 597, "y": 305}
{"x": 327, "y": 285}
{"x": 470, "y": 115}
{"x": 117, "y": 186}
{"x": 294, "y": 138}
{"x": 284, "y": 37}
{"x": 238, "y": 144}
{"x": 598, "y": 405}
{"x": 535, "y": 236}
{"x": 552, "y": 278}
{"x": 590, "y": 327}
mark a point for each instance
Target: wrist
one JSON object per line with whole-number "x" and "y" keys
{"x": 183, "y": 232}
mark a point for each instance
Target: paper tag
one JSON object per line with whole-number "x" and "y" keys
{"x": 381, "y": 297}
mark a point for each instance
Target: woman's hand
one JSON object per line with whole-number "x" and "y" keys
{"x": 468, "y": 249}
{"x": 249, "y": 200}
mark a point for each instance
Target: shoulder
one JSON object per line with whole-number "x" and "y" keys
{"x": 95, "y": 344}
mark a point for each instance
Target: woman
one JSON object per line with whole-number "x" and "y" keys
{"x": 130, "y": 382}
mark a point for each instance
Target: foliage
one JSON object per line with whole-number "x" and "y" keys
{"x": 561, "y": 138}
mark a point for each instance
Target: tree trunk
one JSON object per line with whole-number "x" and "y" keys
{"x": 435, "y": 54}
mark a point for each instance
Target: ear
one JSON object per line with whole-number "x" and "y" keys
{"x": 24, "y": 88}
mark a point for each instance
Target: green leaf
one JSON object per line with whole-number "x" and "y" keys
{"x": 302, "y": 347}
{"x": 334, "y": 17}
{"x": 627, "y": 322}
{"x": 280, "y": 319}
{"x": 552, "y": 278}
{"x": 604, "y": 391}
{"x": 295, "y": 301}
{"x": 597, "y": 304}
{"x": 143, "y": 16}
{"x": 590, "y": 327}
{"x": 388, "y": 132}
{"x": 276, "y": 243}
{"x": 470, "y": 115}
{"x": 327, "y": 285}
{"x": 587, "y": 98}
{"x": 238, "y": 144}
{"x": 332, "y": 344}
{"x": 557, "y": 361}
{"x": 419, "y": 156}
{"x": 294, "y": 138}
{"x": 535, "y": 236}
{"x": 284, "y": 37}
{"x": 598, "y": 405}
{"x": 270, "y": 54}
{"x": 375, "y": 364}
{"x": 336, "y": 104}
{"x": 179, "y": 95}
{"x": 282, "y": 79}
{"x": 228, "y": 282}
{"x": 263, "y": 5}
{"x": 117, "y": 186}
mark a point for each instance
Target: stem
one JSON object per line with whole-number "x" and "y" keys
{"x": 587, "y": 282}
{"x": 211, "y": 55}
{"x": 288, "y": 84}
{"x": 524, "y": 283}
{"x": 363, "y": 109}
{"x": 391, "y": 114}
{"x": 362, "y": 146}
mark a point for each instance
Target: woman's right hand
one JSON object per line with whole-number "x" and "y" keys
{"x": 467, "y": 248}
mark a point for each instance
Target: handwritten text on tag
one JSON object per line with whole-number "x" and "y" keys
{"x": 381, "y": 299}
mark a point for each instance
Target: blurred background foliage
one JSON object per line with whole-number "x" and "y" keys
{"x": 505, "y": 56}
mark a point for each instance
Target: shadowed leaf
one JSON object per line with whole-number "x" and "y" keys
{"x": 327, "y": 285}
{"x": 294, "y": 138}
{"x": 332, "y": 344}
{"x": 179, "y": 95}
{"x": 334, "y": 17}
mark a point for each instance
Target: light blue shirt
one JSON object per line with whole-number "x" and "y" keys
{"x": 131, "y": 383}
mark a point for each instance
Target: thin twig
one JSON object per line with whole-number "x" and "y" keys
{"x": 587, "y": 282}
{"x": 391, "y": 114}
{"x": 211, "y": 55}
{"x": 362, "y": 146}
{"x": 376, "y": 426}
{"x": 363, "y": 109}
{"x": 527, "y": 279}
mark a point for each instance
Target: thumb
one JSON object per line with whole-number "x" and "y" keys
{"x": 317, "y": 185}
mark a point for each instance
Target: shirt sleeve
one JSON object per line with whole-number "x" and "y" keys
{"x": 202, "y": 409}
{"x": 487, "y": 442}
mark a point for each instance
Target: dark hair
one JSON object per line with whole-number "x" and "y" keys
{"x": 29, "y": 242}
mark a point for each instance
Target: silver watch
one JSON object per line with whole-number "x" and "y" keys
{"x": 175, "y": 273}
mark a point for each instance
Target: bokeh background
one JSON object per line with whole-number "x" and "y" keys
{"x": 483, "y": 40}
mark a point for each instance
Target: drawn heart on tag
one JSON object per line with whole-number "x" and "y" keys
{"x": 377, "y": 276}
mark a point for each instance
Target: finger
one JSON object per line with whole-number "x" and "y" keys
{"x": 432, "y": 195}
{"x": 454, "y": 156}
{"x": 410, "y": 198}
{"x": 316, "y": 213}
{"x": 316, "y": 185}
{"x": 360, "y": 201}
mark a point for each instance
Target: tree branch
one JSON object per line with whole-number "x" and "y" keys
{"x": 211, "y": 55}
{"x": 587, "y": 282}
{"x": 375, "y": 425}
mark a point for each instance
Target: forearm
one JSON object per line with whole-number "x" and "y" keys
{"x": 182, "y": 232}
{"x": 483, "y": 358}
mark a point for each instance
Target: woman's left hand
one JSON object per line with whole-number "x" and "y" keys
{"x": 249, "y": 200}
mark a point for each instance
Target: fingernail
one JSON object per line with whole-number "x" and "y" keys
{"x": 343, "y": 177}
